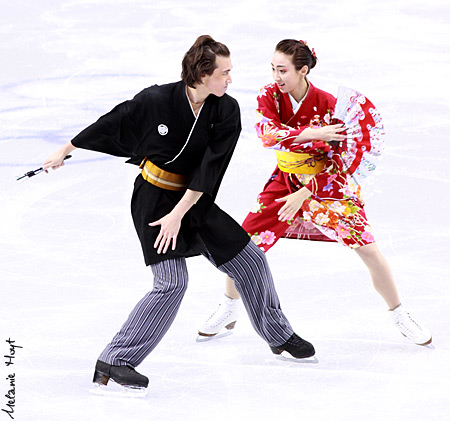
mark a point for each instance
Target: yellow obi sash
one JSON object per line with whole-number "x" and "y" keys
{"x": 163, "y": 179}
{"x": 300, "y": 163}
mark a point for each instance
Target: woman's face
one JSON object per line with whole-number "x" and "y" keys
{"x": 217, "y": 83}
{"x": 284, "y": 74}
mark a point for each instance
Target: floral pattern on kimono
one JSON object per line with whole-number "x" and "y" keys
{"x": 335, "y": 210}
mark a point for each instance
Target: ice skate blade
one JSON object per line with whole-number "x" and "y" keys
{"x": 428, "y": 344}
{"x": 285, "y": 356}
{"x": 229, "y": 326}
{"x": 202, "y": 338}
{"x": 118, "y": 391}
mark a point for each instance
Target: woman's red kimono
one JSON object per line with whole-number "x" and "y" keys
{"x": 335, "y": 210}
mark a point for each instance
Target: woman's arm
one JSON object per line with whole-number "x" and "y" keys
{"x": 276, "y": 135}
{"x": 171, "y": 223}
{"x": 326, "y": 133}
{"x": 56, "y": 160}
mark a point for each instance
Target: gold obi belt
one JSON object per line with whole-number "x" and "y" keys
{"x": 300, "y": 163}
{"x": 163, "y": 179}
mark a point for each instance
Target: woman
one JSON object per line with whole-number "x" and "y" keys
{"x": 183, "y": 134}
{"x": 309, "y": 195}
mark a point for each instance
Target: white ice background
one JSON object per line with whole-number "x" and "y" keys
{"x": 71, "y": 267}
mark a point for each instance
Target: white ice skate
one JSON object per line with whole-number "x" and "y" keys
{"x": 224, "y": 317}
{"x": 409, "y": 328}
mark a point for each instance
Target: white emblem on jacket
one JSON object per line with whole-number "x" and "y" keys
{"x": 163, "y": 129}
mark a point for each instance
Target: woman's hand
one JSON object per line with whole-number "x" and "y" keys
{"x": 326, "y": 133}
{"x": 170, "y": 226}
{"x": 56, "y": 160}
{"x": 293, "y": 203}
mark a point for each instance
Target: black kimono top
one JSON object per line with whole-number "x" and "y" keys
{"x": 158, "y": 123}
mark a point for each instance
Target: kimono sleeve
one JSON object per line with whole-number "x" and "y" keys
{"x": 223, "y": 139}
{"x": 272, "y": 132}
{"x": 118, "y": 132}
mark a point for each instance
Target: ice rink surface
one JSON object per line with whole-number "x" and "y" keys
{"x": 71, "y": 265}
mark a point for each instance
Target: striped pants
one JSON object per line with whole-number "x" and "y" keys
{"x": 153, "y": 315}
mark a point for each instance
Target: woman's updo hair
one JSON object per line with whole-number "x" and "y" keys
{"x": 299, "y": 51}
{"x": 200, "y": 59}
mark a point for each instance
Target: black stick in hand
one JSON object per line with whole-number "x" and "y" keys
{"x": 30, "y": 174}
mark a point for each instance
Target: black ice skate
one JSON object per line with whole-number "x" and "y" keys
{"x": 125, "y": 376}
{"x": 296, "y": 347}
